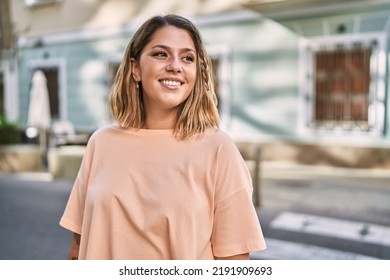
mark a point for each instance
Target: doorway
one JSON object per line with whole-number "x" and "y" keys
{"x": 52, "y": 77}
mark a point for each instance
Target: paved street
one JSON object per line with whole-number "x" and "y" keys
{"x": 305, "y": 214}
{"x": 30, "y": 209}
{"x": 325, "y": 213}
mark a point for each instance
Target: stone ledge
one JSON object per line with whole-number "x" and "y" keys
{"x": 334, "y": 155}
{"x": 20, "y": 158}
{"x": 64, "y": 162}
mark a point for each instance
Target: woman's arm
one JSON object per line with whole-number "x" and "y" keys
{"x": 235, "y": 257}
{"x": 74, "y": 247}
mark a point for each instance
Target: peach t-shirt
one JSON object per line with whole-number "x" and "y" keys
{"x": 143, "y": 194}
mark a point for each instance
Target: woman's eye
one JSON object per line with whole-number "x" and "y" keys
{"x": 159, "y": 54}
{"x": 189, "y": 58}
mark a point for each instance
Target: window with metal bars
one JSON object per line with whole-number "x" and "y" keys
{"x": 344, "y": 84}
{"x": 342, "y": 87}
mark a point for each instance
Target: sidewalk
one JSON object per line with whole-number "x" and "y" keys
{"x": 288, "y": 170}
{"x": 350, "y": 192}
{"x": 321, "y": 212}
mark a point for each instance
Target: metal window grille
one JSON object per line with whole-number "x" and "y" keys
{"x": 342, "y": 87}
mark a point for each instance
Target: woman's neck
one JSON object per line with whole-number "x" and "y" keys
{"x": 160, "y": 121}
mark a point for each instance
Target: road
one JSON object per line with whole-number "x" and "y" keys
{"x": 302, "y": 216}
{"x": 331, "y": 214}
{"x": 30, "y": 209}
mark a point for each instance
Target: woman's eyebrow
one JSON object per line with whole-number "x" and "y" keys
{"x": 168, "y": 48}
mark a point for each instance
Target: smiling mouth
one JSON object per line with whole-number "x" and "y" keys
{"x": 171, "y": 84}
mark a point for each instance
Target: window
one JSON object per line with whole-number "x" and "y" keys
{"x": 342, "y": 87}
{"x": 221, "y": 70}
{"x": 344, "y": 84}
{"x": 112, "y": 66}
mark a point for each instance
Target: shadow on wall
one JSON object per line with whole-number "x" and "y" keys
{"x": 240, "y": 113}
{"x": 328, "y": 155}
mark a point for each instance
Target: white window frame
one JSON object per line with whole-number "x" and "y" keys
{"x": 376, "y": 110}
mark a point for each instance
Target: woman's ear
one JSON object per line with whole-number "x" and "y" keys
{"x": 135, "y": 70}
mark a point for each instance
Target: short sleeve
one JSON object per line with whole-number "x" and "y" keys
{"x": 73, "y": 214}
{"x": 72, "y": 218}
{"x": 236, "y": 228}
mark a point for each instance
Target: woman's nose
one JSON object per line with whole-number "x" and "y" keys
{"x": 174, "y": 65}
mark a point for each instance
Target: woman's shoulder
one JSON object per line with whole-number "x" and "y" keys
{"x": 105, "y": 131}
{"x": 216, "y": 134}
{"x": 219, "y": 138}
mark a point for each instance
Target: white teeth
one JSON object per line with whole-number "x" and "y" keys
{"x": 171, "y": 83}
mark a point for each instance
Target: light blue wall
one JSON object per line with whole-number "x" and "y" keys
{"x": 264, "y": 77}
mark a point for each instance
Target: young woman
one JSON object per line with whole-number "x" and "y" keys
{"x": 164, "y": 182}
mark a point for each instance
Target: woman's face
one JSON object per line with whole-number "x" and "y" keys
{"x": 166, "y": 69}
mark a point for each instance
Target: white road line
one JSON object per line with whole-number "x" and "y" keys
{"x": 286, "y": 250}
{"x": 344, "y": 229}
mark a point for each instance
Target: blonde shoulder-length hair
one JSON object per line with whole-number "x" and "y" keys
{"x": 198, "y": 112}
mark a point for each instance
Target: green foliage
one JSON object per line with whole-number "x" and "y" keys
{"x": 9, "y": 132}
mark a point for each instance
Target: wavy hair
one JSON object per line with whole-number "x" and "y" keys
{"x": 198, "y": 112}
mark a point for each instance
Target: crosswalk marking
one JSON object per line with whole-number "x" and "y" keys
{"x": 287, "y": 250}
{"x": 331, "y": 227}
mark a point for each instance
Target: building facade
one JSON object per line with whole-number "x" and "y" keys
{"x": 80, "y": 61}
{"x": 300, "y": 70}
{"x": 343, "y": 60}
